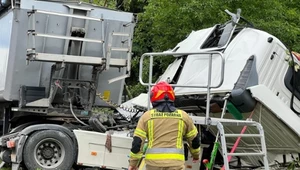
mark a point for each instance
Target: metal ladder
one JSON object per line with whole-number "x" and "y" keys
{"x": 112, "y": 48}
{"x": 98, "y": 63}
{"x": 220, "y": 123}
{"x": 84, "y": 60}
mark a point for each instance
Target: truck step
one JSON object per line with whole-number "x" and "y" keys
{"x": 120, "y": 34}
{"x": 68, "y": 38}
{"x": 242, "y": 135}
{"x": 247, "y": 154}
{"x": 30, "y": 93}
{"x": 84, "y": 60}
{"x": 119, "y": 49}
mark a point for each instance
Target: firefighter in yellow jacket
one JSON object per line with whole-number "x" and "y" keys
{"x": 165, "y": 127}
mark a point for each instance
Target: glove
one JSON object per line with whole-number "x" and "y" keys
{"x": 133, "y": 168}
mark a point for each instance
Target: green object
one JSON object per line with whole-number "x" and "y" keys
{"x": 145, "y": 148}
{"x": 234, "y": 111}
{"x": 213, "y": 155}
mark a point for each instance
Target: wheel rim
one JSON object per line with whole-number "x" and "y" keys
{"x": 49, "y": 153}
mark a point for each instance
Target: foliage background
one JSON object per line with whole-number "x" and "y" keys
{"x": 164, "y": 23}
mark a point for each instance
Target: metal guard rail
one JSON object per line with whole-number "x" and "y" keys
{"x": 208, "y": 86}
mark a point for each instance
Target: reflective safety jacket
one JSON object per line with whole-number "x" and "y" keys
{"x": 165, "y": 132}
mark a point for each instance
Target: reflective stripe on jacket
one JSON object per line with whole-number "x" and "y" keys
{"x": 165, "y": 132}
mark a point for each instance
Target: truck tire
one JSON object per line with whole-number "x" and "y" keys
{"x": 49, "y": 150}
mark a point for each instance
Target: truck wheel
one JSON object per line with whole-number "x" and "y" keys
{"x": 49, "y": 150}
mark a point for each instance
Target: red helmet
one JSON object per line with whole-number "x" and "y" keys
{"x": 161, "y": 91}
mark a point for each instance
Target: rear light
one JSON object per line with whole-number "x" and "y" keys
{"x": 10, "y": 144}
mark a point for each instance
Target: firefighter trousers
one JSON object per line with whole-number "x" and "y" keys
{"x": 148, "y": 167}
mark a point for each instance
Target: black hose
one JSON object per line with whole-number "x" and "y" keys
{"x": 120, "y": 126}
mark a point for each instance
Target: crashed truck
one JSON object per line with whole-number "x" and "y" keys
{"x": 63, "y": 62}
{"x": 241, "y": 85}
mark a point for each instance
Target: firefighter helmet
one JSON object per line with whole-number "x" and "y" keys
{"x": 162, "y": 91}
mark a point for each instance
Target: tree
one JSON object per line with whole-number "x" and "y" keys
{"x": 104, "y": 3}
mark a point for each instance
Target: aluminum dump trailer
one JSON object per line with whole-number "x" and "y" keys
{"x": 62, "y": 29}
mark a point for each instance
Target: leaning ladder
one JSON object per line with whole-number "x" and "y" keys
{"x": 220, "y": 123}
